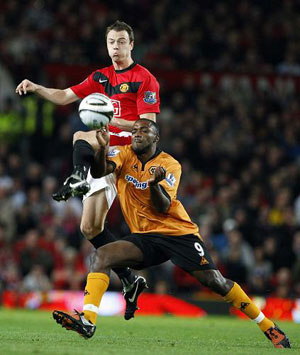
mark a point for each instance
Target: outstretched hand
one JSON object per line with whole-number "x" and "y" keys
{"x": 159, "y": 175}
{"x": 26, "y": 86}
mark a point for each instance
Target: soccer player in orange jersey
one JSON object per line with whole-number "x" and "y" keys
{"x": 134, "y": 92}
{"x": 147, "y": 183}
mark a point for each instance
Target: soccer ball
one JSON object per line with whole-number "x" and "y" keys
{"x": 96, "y": 110}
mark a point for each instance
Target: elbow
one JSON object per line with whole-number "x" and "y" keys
{"x": 163, "y": 208}
{"x": 64, "y": 97}
{"x": 63, "y": 102}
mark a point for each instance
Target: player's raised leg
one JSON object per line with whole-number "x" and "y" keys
{"x": 119, "y": 253}
{"x": 234, "y": 294}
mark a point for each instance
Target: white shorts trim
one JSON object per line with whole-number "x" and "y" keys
{"x": 107, "y": 182}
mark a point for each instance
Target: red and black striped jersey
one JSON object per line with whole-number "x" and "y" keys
{"x": 133, "y": 91}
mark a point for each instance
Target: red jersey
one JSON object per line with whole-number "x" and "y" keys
{"x": 133, "y": 91}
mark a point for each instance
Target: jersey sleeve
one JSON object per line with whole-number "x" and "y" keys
{"x": 116, "y": 156}
{"x": 148, "y": 96}
{"x": 86, "y": 87}
{"x": 171, "y": 182}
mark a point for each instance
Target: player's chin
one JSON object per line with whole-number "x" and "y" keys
{"x": 138, "y": 148}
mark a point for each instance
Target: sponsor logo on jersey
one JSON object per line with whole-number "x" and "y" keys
{"x": 112, "y": 153}
{"x": 137, "y": 184}
{"x": 150, "y": 97}
{"x": 124, "y": 87}
{"x": 152, "y": 169}
{"x": 117, "y": 107}
{"x": 170, "y": 179}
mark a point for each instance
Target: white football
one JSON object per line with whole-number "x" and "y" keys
{"x": 96, "y": 110}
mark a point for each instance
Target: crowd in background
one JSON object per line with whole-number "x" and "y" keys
{"x": 252, "y": 36}
{"x": 239, "y": 147}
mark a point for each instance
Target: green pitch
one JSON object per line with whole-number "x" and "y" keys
{"x": 34, "y": 332}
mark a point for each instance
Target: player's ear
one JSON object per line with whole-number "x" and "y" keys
{"x": 156, "y": 138}
{"x": 132, "y": 44}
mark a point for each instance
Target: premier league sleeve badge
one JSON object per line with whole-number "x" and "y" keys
{"x": 150, "y": 97}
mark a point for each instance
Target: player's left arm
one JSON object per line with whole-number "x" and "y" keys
{"x": 159, "y": 200}
{"x": 168, "y": 182}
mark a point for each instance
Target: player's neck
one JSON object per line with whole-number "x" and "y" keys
{"x": 145, "y": 156}
{"x": 123, "y": 65}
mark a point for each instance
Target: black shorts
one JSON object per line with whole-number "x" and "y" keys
{"x": 186, "y": 251}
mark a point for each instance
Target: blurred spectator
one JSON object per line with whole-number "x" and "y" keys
{"x": 36, "y": 280}
{"x": 283, "y": 283}
{"x": 260, "y": 275}
{"x": 237, "y": 136}
{"x": 30, "y": 252}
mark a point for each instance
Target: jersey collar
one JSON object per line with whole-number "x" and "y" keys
{"x": 157, "y": 152}
{"x": 126, "y": 69}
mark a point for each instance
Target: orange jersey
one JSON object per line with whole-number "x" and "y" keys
{"x": 134, "y": 194}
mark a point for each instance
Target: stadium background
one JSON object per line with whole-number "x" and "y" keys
{"x": 229, "y": 76}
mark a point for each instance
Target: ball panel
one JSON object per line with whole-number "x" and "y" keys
{"x": 94, "y": 120}
{"x": 96, "y": 110}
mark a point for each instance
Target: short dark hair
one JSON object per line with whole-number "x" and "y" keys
{"x": 121, "y": 26}
{"x": 153, "y": 124}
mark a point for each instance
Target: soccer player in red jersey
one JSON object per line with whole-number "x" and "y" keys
{"x": 134, "y": 92}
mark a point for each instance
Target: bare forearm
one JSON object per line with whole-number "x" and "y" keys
{"x": 98, "y": 168}
{"x": 57, "y": 96}
{"x": 158, "y": 199}
{"x": 122, "y": 124}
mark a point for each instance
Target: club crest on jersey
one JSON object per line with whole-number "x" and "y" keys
{"x": 152, "y": 169}
{"x": 150, "y": 97}
{"x": 170, "y": 179}
{"x": 137, "y": 184}
{"x": 124, "y": 87}
{"x": 112, "y": 153}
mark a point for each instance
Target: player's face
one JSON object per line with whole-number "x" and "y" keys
{"x": 143, "y": 137}
{"x": 119, "y": 46}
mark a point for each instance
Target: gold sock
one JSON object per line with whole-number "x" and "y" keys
{"x": 95, "y": 288}
{"x": 240, "y": 300}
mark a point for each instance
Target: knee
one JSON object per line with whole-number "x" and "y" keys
{"x": 218, "y": 283}
{"x": 78, "y": 135}
{"x": 90, "y": 230}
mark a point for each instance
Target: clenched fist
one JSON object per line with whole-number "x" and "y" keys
{"x": 159, "y": 175}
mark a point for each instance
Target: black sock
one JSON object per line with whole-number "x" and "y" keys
{"x": 83, "y": 157}
{"x": 124, "y": 273}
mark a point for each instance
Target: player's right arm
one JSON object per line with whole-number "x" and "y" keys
{"x": 57, "y": 96}
{"x": 100, "y": 167}
{"x": 107, "y": 161}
